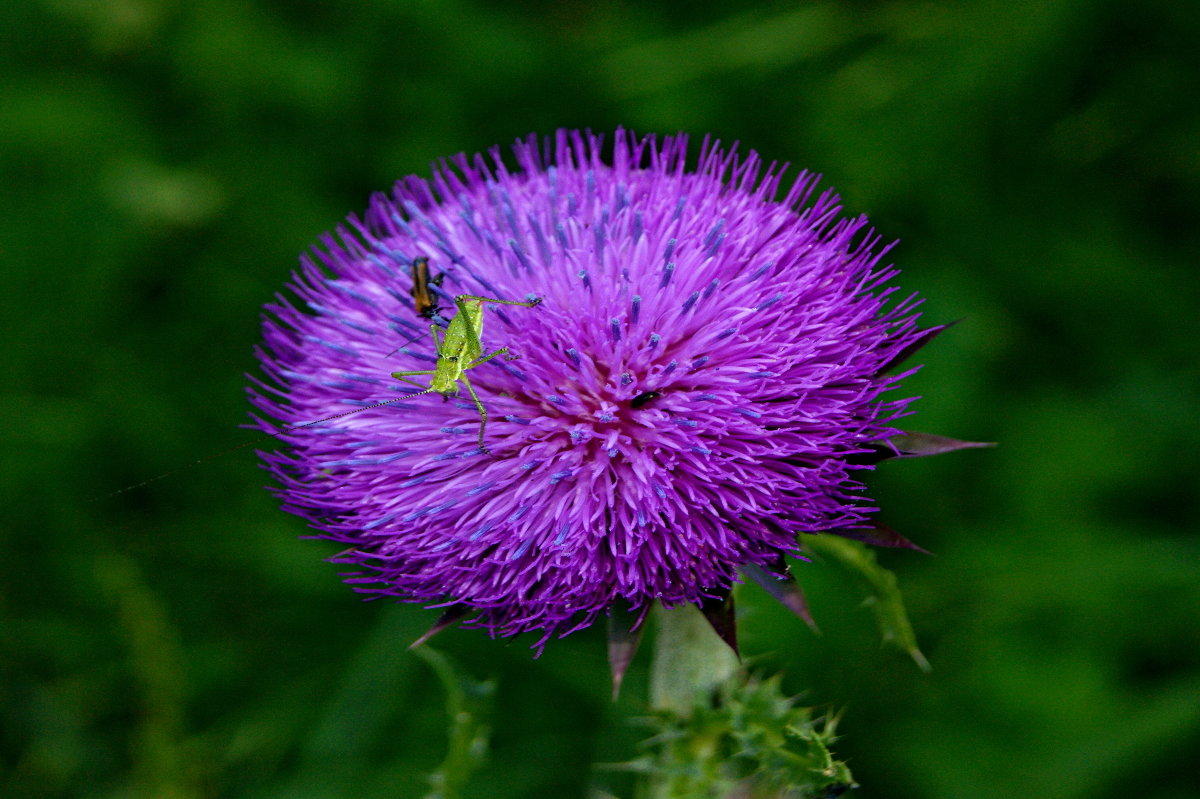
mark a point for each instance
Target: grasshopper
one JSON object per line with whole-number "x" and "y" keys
{"x": 458, "y": 350}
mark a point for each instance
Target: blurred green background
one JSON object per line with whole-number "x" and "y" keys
{"x": 162, "y": 164}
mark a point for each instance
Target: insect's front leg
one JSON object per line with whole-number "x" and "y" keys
{"x": 403, "y": 376}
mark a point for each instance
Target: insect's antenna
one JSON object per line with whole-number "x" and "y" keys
{"x": 272, "y": 433}
{"x": 407, "y": 341}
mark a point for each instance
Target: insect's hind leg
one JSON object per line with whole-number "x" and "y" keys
{"x": 483, "y": 415}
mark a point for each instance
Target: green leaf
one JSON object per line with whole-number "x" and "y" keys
{"x": 468, "y": 705}
{"x": 883, "y": 596}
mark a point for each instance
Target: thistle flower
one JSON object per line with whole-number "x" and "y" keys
{"x": 699, "y": 385}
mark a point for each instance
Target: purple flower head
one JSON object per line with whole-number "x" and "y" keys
{"x": 698, "y": 385}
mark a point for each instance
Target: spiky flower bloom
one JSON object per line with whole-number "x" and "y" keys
{"x": 696, "y": 388}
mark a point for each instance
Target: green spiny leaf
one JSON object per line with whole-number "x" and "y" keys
{"x": 883, "y": 593}
{"x": 468, "y": 705}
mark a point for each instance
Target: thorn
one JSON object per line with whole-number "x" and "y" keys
{"x": 923, "y": 337}
{"x": 345, "y": 556}
{"x": 624, "y": 635}
{"x": 911, "y": 445}
{"x": 720, "y": 614}
{"x": 879, "y": 535}
{"x": 919, "y": 445}
{"x": 448, "y": 618}
{"x": 784, "y": 588}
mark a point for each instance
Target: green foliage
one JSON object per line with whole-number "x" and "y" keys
{"x": 883, "y": 594}
{"x": 468, "y": 708}
{"x": 689, "y": 658}
{"x": 749, "y": 740}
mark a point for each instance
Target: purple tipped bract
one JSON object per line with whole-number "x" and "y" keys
{"x": 689, "y": 396}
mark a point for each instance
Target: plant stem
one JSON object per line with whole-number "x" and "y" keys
{"x": 690, "y": 660}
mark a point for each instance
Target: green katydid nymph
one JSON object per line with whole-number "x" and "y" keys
{"x": 459, "y": 349}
